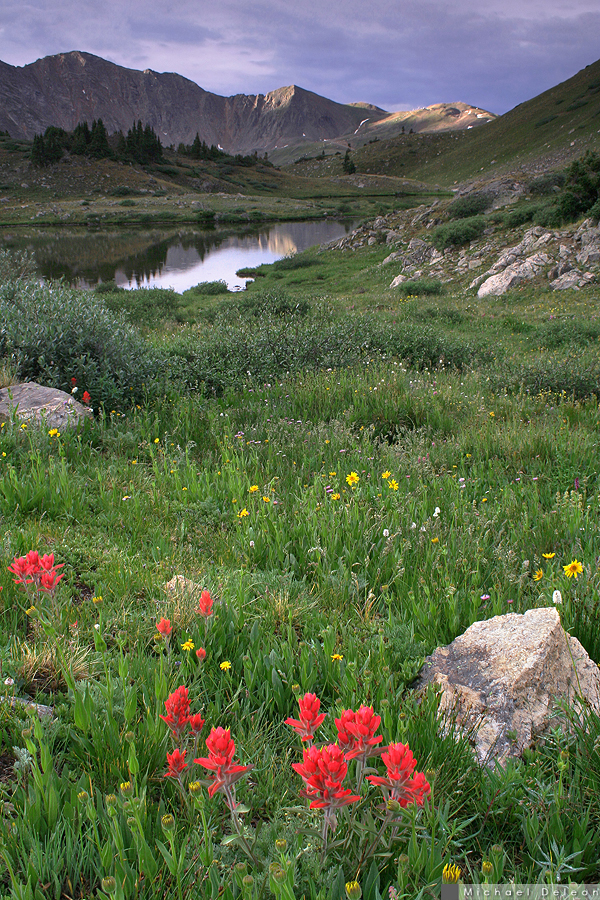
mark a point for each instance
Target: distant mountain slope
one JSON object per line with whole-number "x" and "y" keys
{"x": 68, "y": 88}
{"x": 540, "y": 134}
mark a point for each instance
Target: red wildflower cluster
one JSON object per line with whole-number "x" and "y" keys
{"x": 310, "y": 719}
{"x": 164, "y": 627}
{"x": 86, "y": 398}
{"x": 205, "y": 605}
{"x": 323, "y": 770}
{"x": 356, "y": 733}
{"x": 176, "y": 764}
{"x": 221, "y": 750}
{"x": 399, "y": 783}
{"x": 178, "y": 715}
{"x": 37, "y": 570}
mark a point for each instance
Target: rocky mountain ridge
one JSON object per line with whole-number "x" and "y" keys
{"x": 69, "y": 88}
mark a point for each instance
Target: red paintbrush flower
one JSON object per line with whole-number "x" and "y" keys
{"x": 176, "y": 764}
{"x": 221, "y": 750}
{"x": 310, "y": 719}
{"x": 177, "y": 705}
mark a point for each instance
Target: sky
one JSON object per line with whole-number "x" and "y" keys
{"x": 397, "y": 54}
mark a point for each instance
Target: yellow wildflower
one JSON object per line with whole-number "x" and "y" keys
{"x": 574, "y": 569}
{"x": 352, "y": 479}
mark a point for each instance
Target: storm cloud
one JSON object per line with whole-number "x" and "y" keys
{"x": 398, "y": 55}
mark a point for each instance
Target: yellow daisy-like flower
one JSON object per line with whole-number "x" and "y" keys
{"x": 332, "y": 474}
{"x": 225, "y": 665}
{"x": 352, "y": 479}
{"x": 435, "y": 540}
{"x": 450, "y": 874}
{"x": 54, "y": 432}
{"x": 188, "y": 645}
{"x": 386, "y": 474}
{"x": 538, "y": 575}
{"x": 266, "y": 499}
{"x": 337, "y": 656}
{"x": 157, "y": 440}
{"x": 335, "y": 496}
{"x": 393, "y": 484}
{"x": 243, "y": 513}
{"x": 574, "y": 569}
{"x": 253, "y": 489}
{"x": 548, "y": 555}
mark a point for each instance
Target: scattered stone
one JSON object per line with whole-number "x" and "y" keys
{"x": 180, "y": 586}
{"x": 503, "y": 676}
{"x": 398, "y": 280}
{"x": 393, "y": 256}
{"x": 572, "y": 278}
{"x": 36, "y": 404}
{"x": 514, "y": 274}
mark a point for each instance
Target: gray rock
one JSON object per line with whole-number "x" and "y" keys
{"x": 392, "y": 257}
{"x": 33, "y": 403}
{"x": 398, "y": 281}
{"x": 514, "y": 274}
{"x": 501, "y": 679}
{"x": 572, "y": 278}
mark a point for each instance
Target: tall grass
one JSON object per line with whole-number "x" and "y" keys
{"x": 353, "y": 493}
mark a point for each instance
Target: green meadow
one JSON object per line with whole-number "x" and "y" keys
{"x": 355, "y": 476}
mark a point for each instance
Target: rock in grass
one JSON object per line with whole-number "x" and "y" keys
{"x": 501, "y": 679}
{"x": 33, "y": 403}
{"x": 514, "y": 274}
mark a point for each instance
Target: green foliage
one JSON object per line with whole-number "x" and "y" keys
{"x": 142, "y": 145}
{"x": 547, "y": 184}
{"x": 422, "y": 287}
{"x": 297, "y": 261}
{"x": 210, "y": 288}
{"x": 455, "y": 234}
{"x": 577, "y": 374}
{"x": 53, "y": 333}
{"x": 470, "y": 205}
{"x": 348, "y": 166}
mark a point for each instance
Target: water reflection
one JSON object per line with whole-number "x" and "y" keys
{"x": 169, "y": 258}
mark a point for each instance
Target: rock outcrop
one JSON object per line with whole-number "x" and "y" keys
{"x": 34, "y": 403}
{"x": 503, "y": 675}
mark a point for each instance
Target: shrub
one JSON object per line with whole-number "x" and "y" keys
{"x": 547, "y": 184}
{"x": 454, "y": 234}
{"x": 576, "y": 373}
{"x": 422, "y": 286}
{"x": 269, "y": 303}
{"x": 210, "y": 288}
{"x": 53, "y": 333}
{"x": 471, "y": 205}
{"x": 523, "y": 214}
{"x": 289, "y": 263}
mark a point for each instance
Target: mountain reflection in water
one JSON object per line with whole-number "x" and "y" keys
{"x": 187, "y": 262}
{"x": 176, "y": 259}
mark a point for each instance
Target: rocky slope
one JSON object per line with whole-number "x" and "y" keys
{"x": 68, "y": 88}
{"x": 567, "y": 257}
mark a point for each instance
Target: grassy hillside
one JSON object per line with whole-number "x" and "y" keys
{"x": 354, "y": 486}
{"x": 540, "y": 134}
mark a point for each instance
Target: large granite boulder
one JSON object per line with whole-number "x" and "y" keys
{"x": 501, "y": 678}
{"x": 34, "y": 403}
{"x": 513, "y": 274}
